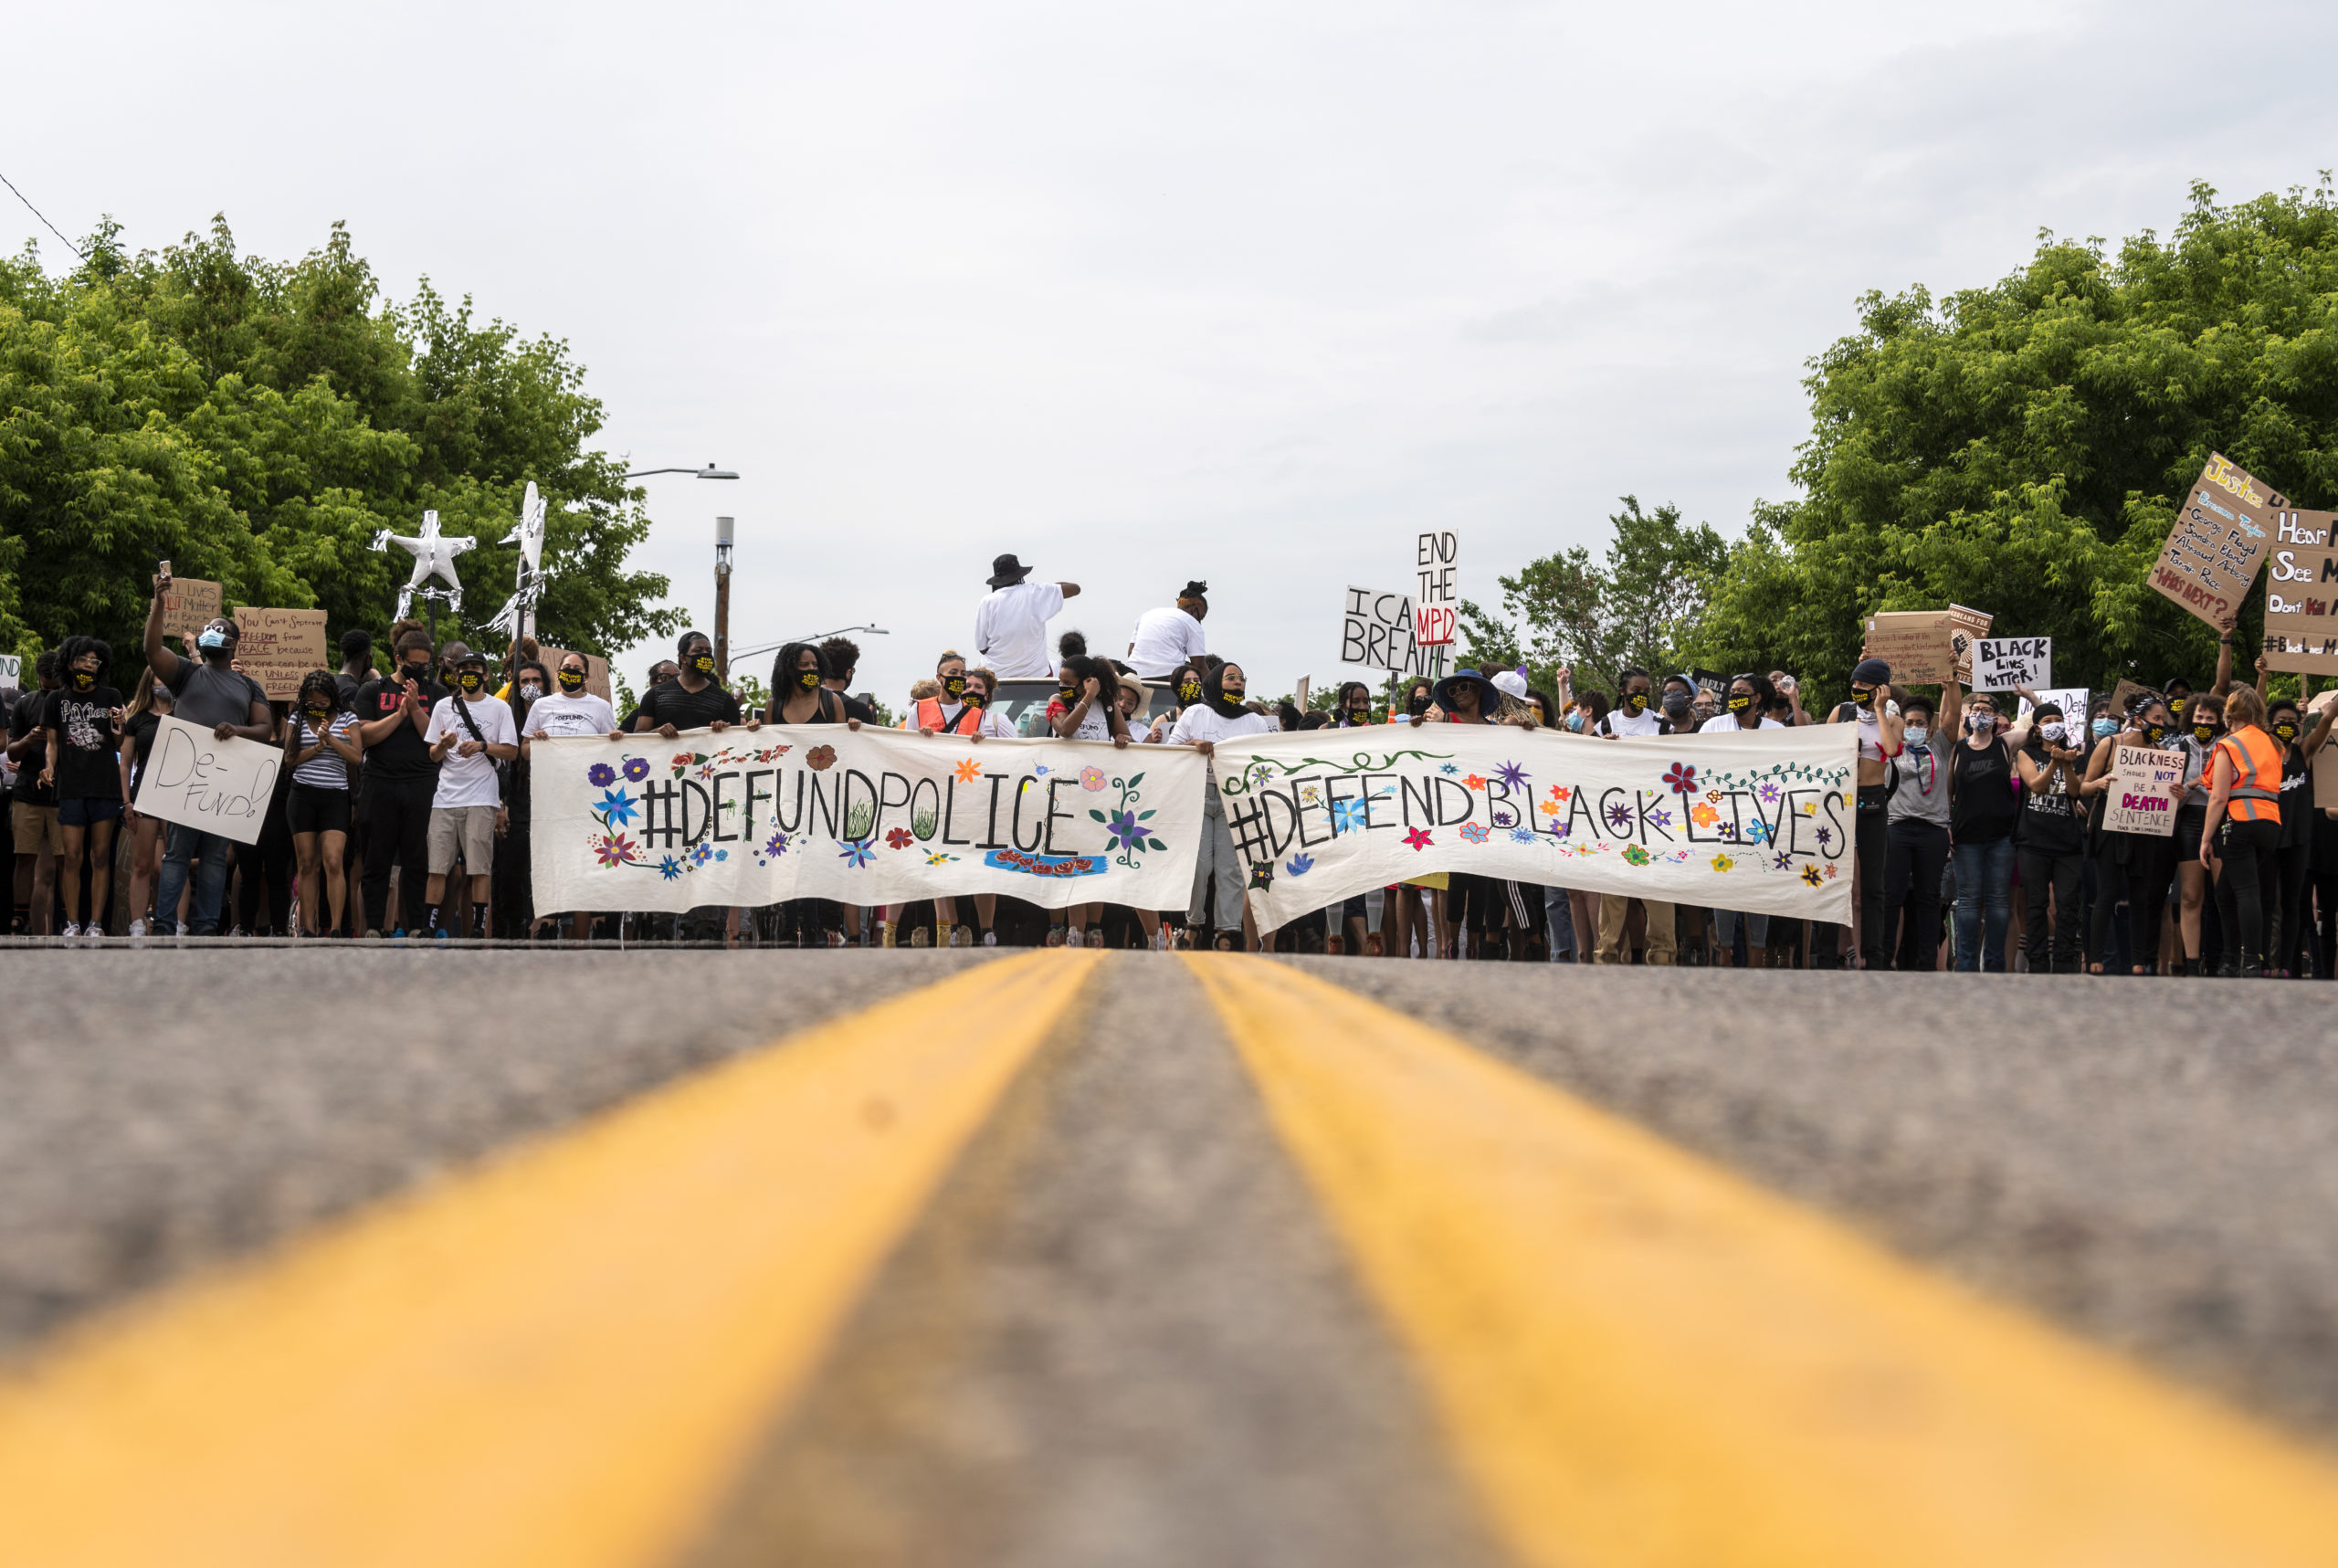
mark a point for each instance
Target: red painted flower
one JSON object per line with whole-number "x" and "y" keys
{"x": 899, "y": 839}
{"x": 1475, "y": 781}
{"x": 1682, "y": 778}
{"x": 1418, "y": 838}
{"x": 684, "y": 759}
{"x": 821, "y": 758}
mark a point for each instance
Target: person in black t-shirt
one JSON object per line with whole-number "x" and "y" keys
{"x": 2052, "y": 847}
{"x": 141, "y": 721}
{"x": 692, "y": 700}
{"x": 32, "y": 808}
{"x": 400, "y": 779}
{"x": 1983, "y": 809}
{"x": 83, "y": 721}
{"x": 664, "y": 670}
{"x": 840, "y": 657}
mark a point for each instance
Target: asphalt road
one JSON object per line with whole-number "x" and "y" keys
{"x": 1121, "y": 1333}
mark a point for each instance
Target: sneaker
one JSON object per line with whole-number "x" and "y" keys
{"x": 1095, "y": 936}
{"x": 920, "y": 938}
{"x": 963, "y": 936}
{"x": 990, "y": 938}
{"x": 138, "y": 928}
{"x": 72, "y": 928}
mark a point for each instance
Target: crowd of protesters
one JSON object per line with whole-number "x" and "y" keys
{"x": 401, "y": 809}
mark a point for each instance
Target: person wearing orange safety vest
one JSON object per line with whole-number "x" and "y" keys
{"x": 948, "y": 713}
{"x": 2241, "y": 842}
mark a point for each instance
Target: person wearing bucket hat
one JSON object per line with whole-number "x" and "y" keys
{"x": 1874, "y": 709}
{"x": 1485, "y": 698}
{"x": 1011, "y": 623}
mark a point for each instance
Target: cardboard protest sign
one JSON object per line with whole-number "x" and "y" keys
{"x": 11, "y": 666}
{"x": 1376, "y": 630}
{"x": 1919, "y": 644}
{"x": 596, "y": 671}
{"x": 2146, "y": 787}
{"x": 1757, "y": 820}
{"x": 278, "y": 647}
{"x": 1968, "y": 626}
{"x": 2223, "y": 527}
{"x": 1436, "y": 601}
{"x": 2325, "y": 778}
{"x": 866, "y": 816}
{"x": 2126, "y": 692}
{"x": 219, "y": 786}
{"x": 2073, "y": 701}
{"x": 2300, "y": 627}
{"x": 190, "y": 605}
{"x": 2001, "y": 664}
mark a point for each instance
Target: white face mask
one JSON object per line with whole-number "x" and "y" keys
{"x": 1917, "y": 735}
{"x": 2053, "y": 729}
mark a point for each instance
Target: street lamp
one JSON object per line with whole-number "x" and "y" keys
{"x": 708, "y": 472}
{"x": 722, "y": 600}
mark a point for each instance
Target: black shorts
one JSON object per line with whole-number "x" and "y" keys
{"x": 314, "y": 808}
{"x": 2191, "y": 821}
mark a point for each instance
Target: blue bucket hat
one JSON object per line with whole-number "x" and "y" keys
{"x": 1489, "y": 694}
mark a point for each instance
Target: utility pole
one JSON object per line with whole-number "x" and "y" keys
{"x": 722, "y": 600}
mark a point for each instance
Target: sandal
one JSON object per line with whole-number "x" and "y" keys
{"x": 1228, "y": 942}
{"x": 1056, "y": 936}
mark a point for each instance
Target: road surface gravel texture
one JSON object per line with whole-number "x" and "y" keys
{"x": 1122, "y": 1333}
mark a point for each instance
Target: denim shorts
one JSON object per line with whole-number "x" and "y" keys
{"x": 88, "y": 812}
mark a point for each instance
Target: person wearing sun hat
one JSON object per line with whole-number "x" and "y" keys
{"x": 1487, "y": 695}
{"x": 1011, "y": 623}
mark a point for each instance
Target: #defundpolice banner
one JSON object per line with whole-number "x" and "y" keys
{"x": 1759, "y": 821}
{"x": 866, "y": 816}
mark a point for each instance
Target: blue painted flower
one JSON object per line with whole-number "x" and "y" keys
{"x": 617, "y": 806}
{"x": 703, "y": 854}
{"x": 1521, "y": 836}
{"x": 722, "y": 854}
{"x": 1448, "y": 768}
{"x": 636, "y": 768}
{"x": 1757, "y": 832}
{"x": 1300, "y": 864}
{"x": 1347, "y": 816}
{"x": 670, "y": 868}
{"x": 1475, "y": 832}
{"x": 600, "y": 776}
{"x": 1041, "y": 770}
{"x": 1511, "y": 775}
{"x": 858, "y": 854}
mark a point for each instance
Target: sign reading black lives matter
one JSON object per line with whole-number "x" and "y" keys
{"x": 865, "y": 816}
{"x": 1757, "y": 820}
{"x": 2008, "y": 663}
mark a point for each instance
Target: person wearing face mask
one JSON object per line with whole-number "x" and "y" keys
{"x": 1635, "y": 712}
{"x": 210, "y": 692}
{"x": 1983, "y": 810}
{"x": 947, "y": 712}
{"x": 1678, "y": 702}
{"x": 514, "y": 875}
{"x": 2200, "y": 721}
{"x": 399, "y": 781}
{"x": 1171, "y": 635}
{"x": 1745, "y": 708}
{"x": 1419, "y": 706}
{"x": 471, "y": 730}
{"x": 82, "y": 719}
{"x": 1874, "y": 708}
{"x": 1218, "y": 869}
{"x": 693, "y": 700}
{"x": 2050, "y": 846}
{"x": 2288, "y": 951}
{"x": 1917, "y": 827}
{"x": 1087, "y": 708}
{"x": 2135, "y": 867}
{"x": 840, "y": 657}
{"x": 663, "y": 673}
{"x": 320, "y": 747}
{"x": 37, "y": 839}
{"x": 565, "y": 708}
{"x": 2242, "y": 836}
{"x": 1632, "y": 717}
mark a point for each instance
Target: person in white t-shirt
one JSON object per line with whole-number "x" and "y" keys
{"x": 570, "y": 711}
{"x": 471, "y": 730}
{"x": 1172, "y": 635}
{"x": 1633, "y": 714}
{"x": 1218, "y": 716}
{"x": 1011, "y": 625}
{"x": 1746, "y": 708}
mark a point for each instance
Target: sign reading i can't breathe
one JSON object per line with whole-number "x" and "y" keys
{"x": 1377, "y": 631}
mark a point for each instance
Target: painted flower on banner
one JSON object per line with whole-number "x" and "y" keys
{"x": 1722, "y": 862}
{"x": 636, "y": 768}
{"x": 1810, "y": 875}
{"x": 1521, "y": 836}
{"x": 703, "y": 854}
{"x": 1661, "y": 819}
{"x": 1448, "y": 768}
{"x": 1757, "y": 831}
{"x": 1703, "y": 815}
{"x": 1123, "y": 831}
{"x": 1620, "y": 815}
{"x": 773, "y": 754}
{"x": 1300, "y": 864}
{"x": 1768, "y": 793}
{"x": 936, "y": 857}
{"x": 1419, "y": 838}
{"x": 858, "y": 853}
{"x": 820, "y": 759}
{"x": 775, "y": 846}
{"x": 1809, "y": 808}
{"x": 1831, "y": 868}
{"x": 1475, "y": 832}
{"x": 1680, "y": 779}
{"x": 1558, "y": 796}
{"x": 1041, "y": 770}
{"x": 1262, "y": 876}
{"x": 670, "y": 868}
{"x": 1782, "y": 861}
{"x": 1347, "y": 816}
{"x": 1635, "y": 856}
{"x": 1474, "y": 780}
{"x": 616, "y": 807}
{"x": 901, "y": 838}
{"x": 614, "y": 849}
{"x": 1092, "y": 778}
{"x": 1826, "y": 837}
{"x": 600, "y": 776}
{"x": 706, "y": 769}
{"x": 1511, "y": 775}
{"x": 968, "y": 769}
{"x": 684, "y": 760}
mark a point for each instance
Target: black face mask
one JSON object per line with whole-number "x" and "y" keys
{"x": 956, "y": 686}
{"x": 1416, "y": 703}
{"x": 1191, "y": 691}
{"x": 976, "y": 700}
{"x": 83, "y": 680}
{"x": 572, "y": 680}
{"x": 1864, "y": 699}
{"x": 808, "y": 679}
{"x": 1738, "y": 704}
{"x": 1677, "y": 704}
{"x": 2204, "y": 733}
{"x": 417, "y": 673}
{"x": 316, "y": 716}
{"x": 471, "y": 681}
{"x": 2154, "y": 733}
{"x": 1069, "y": 694}
{"x": 2286, "y": 731}
{"x": 704, "y": 664}
{"x": 1637, "y": 702}
{"x": 1359, "y": 715}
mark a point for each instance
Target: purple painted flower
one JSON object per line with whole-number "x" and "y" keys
{"x": 636, "y": 768}
{"x": 1511, "y": 775}
{"x": 600, "y": 776}
{"x": 1620, "y": 815}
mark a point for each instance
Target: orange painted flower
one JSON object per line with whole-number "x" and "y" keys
{"x": 1475, "y": 781}
{"x": 969, "y": 770}
{"x": 1703, "y": 815}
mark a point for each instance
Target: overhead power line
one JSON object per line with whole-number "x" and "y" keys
{"x": 52, "y": 228}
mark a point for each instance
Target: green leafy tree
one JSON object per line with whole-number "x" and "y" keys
{"x": 2020, "y": 449}
{"x": 257, "y": 423}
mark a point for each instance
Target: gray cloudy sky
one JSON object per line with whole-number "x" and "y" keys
{"x": 1250, "y": 292}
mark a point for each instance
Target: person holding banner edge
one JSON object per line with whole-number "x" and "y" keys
{"x": 1218, "y": 869}
{"x": 1882, "y": 737}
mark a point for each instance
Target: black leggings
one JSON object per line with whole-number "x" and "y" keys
{"x": 2294, "y": 940}
{"x": 2249, "y": 890}
{"x": 2141, "y": 879}
{"x": 397, "y": 832}
{"x": 2060, "y": 874}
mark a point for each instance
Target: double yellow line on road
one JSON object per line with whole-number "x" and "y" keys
{"x": 559, "y": 1360}
{"x": 1643, "y": 1360}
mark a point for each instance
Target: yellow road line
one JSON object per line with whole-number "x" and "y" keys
{"x": 1643, "y": 1359}
{"x": 559, "y": 1360}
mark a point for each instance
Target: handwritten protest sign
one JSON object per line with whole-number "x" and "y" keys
{"x": 2001, "y": 664}
{"x": 219, "y": 786}
{"x": 2223, "y": 527}
{"x": 191, "y": 605}
{"x": 2300, "y": 629}
{"x": 1437, "y": 555}
{"x": 11, "y": 665}
{"x": 2146, "y": 786}
{"x": 1376, "y": 630}
{"x": 2123, "y": 693}
{"x": 1967, "y": 627}
{"x": 278, "y": 647}
{"x": 1757, "y": 820}
{"x": 2074, "y": 702}
{"x": 866, "y": 817}
{"x": 1919, "y": 644}
{"x": 596, "y": 671}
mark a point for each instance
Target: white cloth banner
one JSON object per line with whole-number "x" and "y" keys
{"x": 197, "y": 780}
{"x": 1759, "y": 821}
{"x": 866, "y": 816}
